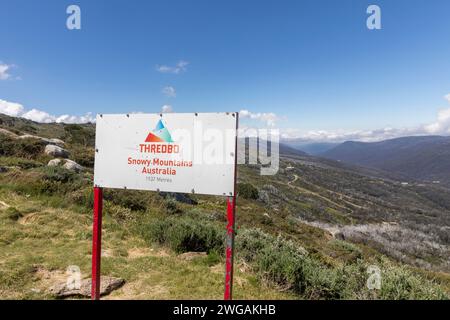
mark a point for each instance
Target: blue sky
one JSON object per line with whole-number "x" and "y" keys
{"x": 307, "y": 65}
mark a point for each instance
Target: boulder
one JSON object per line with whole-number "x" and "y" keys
{"x": 58, "y": 142}
{"x": 107, "y": 284}
{"x": 53, "y": 141}
{"x": 54, "y": 162}
{"x": 56, "y": 151}
{"x": 180, "y": 197}
{"x": 72, "y": 165}
{"x": 8, "y": 133}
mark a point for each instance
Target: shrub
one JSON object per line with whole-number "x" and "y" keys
{"x": 78, "y": 134}
{"x": 399, "y": 283}
{"x": 13, "y": 214}
{"x": 247, "y": 191}
{"x": 58, "y": 174}
{"x": 183, "y": 234}
{"x": 83, "y": 156}
{"x": 23, "y": 148}
{"x": 288, "y": 265}
{"x": 118, "y": 212}
{"x": 19, "y": 162}
{"x": 171, "y": 206}
{"x": 134, "y": 200}
{"x": 83, "y": 197}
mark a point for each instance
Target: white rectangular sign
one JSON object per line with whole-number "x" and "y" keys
{"x": 172, "y": 152}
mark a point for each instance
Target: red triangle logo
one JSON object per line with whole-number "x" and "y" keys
{"x": 152, "y": 138}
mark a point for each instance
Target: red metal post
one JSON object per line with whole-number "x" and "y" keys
{"x": 231, "y": 205}
{"x": 231, "y": 218}
{"x": 96, "y": 243}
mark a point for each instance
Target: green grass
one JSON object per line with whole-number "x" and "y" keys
{"x": 46, "y": 221}
{"x": 51, "y": 239}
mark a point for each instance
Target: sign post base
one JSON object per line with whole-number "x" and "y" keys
{"x": 229, "y": 254}
{"x": 96, "y": 243}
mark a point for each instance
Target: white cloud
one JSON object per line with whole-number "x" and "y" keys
{"x": 169, "y": 91}
{"x": 181, "y": 66}
{"x": 447, "y": 97}
{"x": 4, "y": 75}
{"x": 442, "y": 124}
{"x": 38, "y": 116}
{"x": 357, "y": 135}
{"x": 166, "y": 108}
{"x": 11, "y": 108}
{"x": 88, "y": 117}
{"x": 17, "y": 110}
{"x": 269, "y": 118}
{"x": 439, "y": 127}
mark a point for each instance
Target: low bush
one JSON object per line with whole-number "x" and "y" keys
{"x": 119, "y": 213}
{"x": 285, "y": 263}
{"x": 183, "y": 234}
{"x": 79, "y": 134}
{"x": 19, "y": 162}
{"x": 83, "y": 156}
{"x": 13, "y": 214}
{"x": 23, "y": 148}
{"x": 134, "y": 200}
{"x": 58, "y": 174}
{"x": 399, "y": 283}
{"x": 247, "y": 191}
{"x": 171, "y": 206}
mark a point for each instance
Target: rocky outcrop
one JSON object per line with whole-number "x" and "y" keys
{"x": 107, "y": 285}
{"x": 8, "y": 133}
{"x": 53, "y": 141}
{"x": 65, "y": 163}
{"x": 13, "y": 135}
{"x": 54, "y": 162}
{"x": 180, "y": 197}
{"x": 72, "y": 165}
{"x": 56, "y": 151}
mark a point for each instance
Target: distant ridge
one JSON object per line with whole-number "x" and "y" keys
{"x": 424, "y": 158}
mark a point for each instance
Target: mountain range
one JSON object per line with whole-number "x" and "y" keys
{"x": 424, "y": 158}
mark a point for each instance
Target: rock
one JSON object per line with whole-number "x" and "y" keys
{"x": 8, "y": 133}
{"x": 56, "y": 151}
{"x": 72, "y": 165}
{"x": 107, "y": 285}
{"x": 339, "y": 236}
{"x": 264, "y": 197}
{"x": 58, "y": 142}
{"x": 336, "y": 233}
{"x": 30, "y": 136}
{"x": 180, "y": 197}
{"x": 11, "y": 134}
{"x": 52, "y": 141}
{"x": 68, "y": 164}
{"x": 54, "y": 162}
{"x": 188, "y": 256}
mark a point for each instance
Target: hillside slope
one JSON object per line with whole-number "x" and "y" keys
{"x": 309, "y": 232}
{"x": 424, "y": 158}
